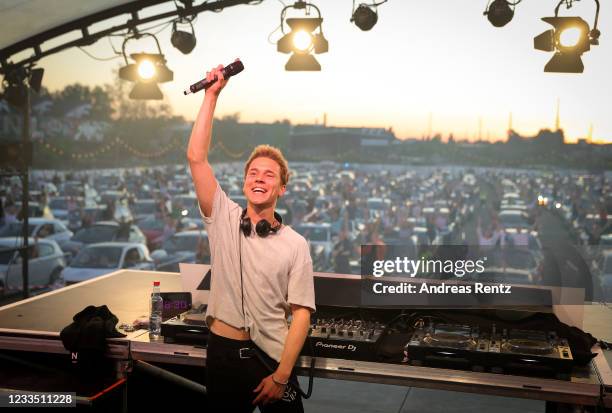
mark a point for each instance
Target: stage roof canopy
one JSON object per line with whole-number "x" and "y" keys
{"x": 22, "y": 19}
{"x": 32, "y": 29}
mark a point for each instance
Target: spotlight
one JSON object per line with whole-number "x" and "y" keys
{"x": 147, "y": 71}
{"x": 365, "y": 17}
{"x": 499, "y": 13}
{"x": 15, "y": 84}
{"x": 301, "y": 41}
{"x": 569, "y": 39}
{"x": 183, "y": 41}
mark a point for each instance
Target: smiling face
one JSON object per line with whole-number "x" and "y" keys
{"x": 262, "y": 183}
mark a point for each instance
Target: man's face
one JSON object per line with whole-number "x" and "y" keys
{"x": 262, "y": 183}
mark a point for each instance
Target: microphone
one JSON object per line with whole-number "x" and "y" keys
{"x": 228, "y": 71}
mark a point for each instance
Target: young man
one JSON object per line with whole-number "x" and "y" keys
{"x": 261, "y": 273}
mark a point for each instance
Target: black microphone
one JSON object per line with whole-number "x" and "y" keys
{"x": 228, "y": 71}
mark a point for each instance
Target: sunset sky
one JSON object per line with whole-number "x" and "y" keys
{"x": 438, "y": 57}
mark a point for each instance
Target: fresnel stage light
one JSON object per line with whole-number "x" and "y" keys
{"x": 569, "y": 38}
{"x": 146, "y": 72}
{"x": 303, "y": 40}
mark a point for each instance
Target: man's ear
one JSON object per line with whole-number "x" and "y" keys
{"x": 282, "y": 191}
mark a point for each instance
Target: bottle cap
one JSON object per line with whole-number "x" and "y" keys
{"x": 155, "y": 283}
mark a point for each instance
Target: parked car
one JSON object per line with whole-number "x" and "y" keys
{"x": 514, "y": 219}
{"x": 34, "y": 209}
{"x": 144, "y": 208}
{"x": 513, "y": 266}
{"x": 101, "y": 258}
{"x": 103, "y": 231}
{"x": 59, "y": 206}
{"x": 46, "y": 262}
{"x": 51, "y": 229}
{"x": 317, "y": 234}
{"x": 180, "y": 248}
{"x": 151, "y": 228}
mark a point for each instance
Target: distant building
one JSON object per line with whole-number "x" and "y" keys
{"x": 545, "y": 138}
{"x": 317, "y": 139}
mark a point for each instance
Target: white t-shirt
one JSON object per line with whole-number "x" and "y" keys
{"x": 276, "y": 272}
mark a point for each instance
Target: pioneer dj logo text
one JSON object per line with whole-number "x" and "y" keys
{"x": 349, "y": 347}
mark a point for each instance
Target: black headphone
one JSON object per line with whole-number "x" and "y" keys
{"x": 263, "y": 227}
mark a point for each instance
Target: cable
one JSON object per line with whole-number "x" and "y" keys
{"x": 101, "y": 59}
{"x": 570, "y": 3}
{"x": 271, "y": 33}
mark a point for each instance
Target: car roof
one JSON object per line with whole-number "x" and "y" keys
{"x": 106, "y": 223}
{"x": 314, "y": 225}
{"x": 39, "y": 220}
{"x": 115, "y": 244}
{"x": 193, "y": 232}
{"x": 17, "y": 241}
{"x": 511, "y": 212}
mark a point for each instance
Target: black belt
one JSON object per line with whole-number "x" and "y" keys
{"x": 247, "y": 353}
{"x": 250, "y": 352}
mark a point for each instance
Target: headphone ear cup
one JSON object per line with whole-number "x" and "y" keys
{"x": 262, "y": 228}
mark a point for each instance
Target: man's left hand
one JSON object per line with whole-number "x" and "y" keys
{"x": 269, "y": 391}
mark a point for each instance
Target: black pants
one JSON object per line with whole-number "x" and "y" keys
{"x": 232, "y": 375}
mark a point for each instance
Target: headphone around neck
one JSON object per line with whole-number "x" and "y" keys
{"x": 263, "y": 227}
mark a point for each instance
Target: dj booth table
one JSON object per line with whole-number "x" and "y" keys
{"x": 33, "y": 325}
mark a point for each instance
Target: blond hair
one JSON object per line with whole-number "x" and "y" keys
{"x": 267, "y": 151}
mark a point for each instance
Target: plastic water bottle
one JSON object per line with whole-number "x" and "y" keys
{"x": 157, "y": 305}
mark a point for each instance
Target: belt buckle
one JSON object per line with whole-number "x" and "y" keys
{"x": 244, "y": 355}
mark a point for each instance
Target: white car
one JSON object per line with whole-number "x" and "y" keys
{"x": 514, "y": 219}
{"x": 105, "y": 257}
{"x": 45, "y": 263}
{"x": 51, "y": 229}
{"x": 317, "y": 235}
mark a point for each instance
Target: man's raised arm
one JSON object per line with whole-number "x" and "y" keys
{"x": 199, "y": 143}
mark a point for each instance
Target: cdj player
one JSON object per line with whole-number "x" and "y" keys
{"x": 508, "y": 351}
